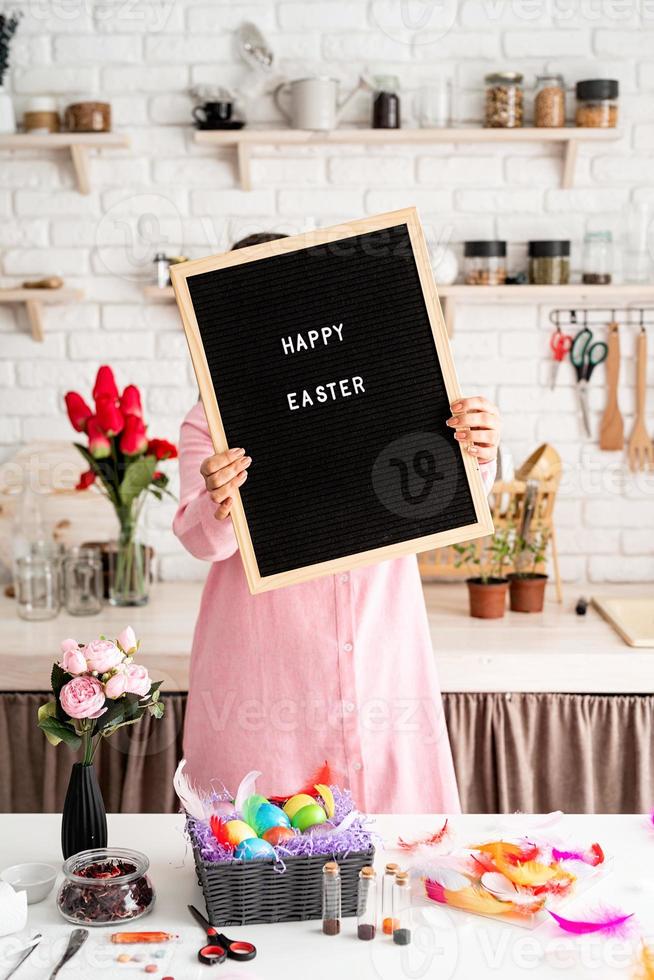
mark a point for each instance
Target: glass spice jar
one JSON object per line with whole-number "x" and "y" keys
{"x": 367, "y": 904}
{"x": 504, "y": 100}
{"x": 549, "y": 102}
{"x": 402, "y": 909}
{"x": 105, "y": 886}
{"x": 485, "y": 263}
{"x": 597, "y": 265}
{"x": 597, "y": 103}
{"x": 38, "y": 589}
{"x": 83, "y": 586}
{"x": 331, "y": 899}
{"x": 549, "y": 263}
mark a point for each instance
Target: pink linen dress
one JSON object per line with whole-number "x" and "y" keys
{"x": 338, "y": 669}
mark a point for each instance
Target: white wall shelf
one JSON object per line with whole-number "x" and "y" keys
{"x": 574, "y": 293}
{"x": 244, "y": 139}
{"x": 78, "y": 144}
{"x": 450, "y": 296}
{"x": 34, "y": 299}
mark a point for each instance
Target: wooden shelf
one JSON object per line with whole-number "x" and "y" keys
{"x": 78, "y": 144}
{"x": 244, "y": 139}
{"x": 157, "y": 294}
{"x": 572, "y": 293}
{"x": 35, "y": 299}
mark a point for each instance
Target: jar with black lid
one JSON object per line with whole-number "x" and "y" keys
{"x": 485, "y": 263}
{"x": 597, "y": 103}
{"x": 549, "y": 263}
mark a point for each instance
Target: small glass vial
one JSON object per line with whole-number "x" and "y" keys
{"x": 549, "y": 102}
{"x": 402, "y": 909}
{"x": 162, "y": 270}
{"x": 388, "y": 882}
{"x": 37, "y": 588}
{"x": 504, "y": 100}
{"x": 597, "y": 267}
{"x": 83, "y": 582}
{"x": 597, "y": 103}
{"x": 367, "y": 904}
{"x": 331, "y": 899}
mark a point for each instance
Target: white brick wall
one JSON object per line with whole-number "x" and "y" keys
{"x": 167, "y": 192}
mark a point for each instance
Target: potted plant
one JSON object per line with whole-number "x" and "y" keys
{"x": 8, "y": 26}
{"x": 526, "y": 583}
{"x": 487, "y": 589}
{"x": 97, "y": 689}
{"x": 123, "y": 461}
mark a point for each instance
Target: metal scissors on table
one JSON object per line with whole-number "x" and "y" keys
{"x": 585, "y": 356}
{"x": 218, "y": 947}
{"x": 560, "y": 344}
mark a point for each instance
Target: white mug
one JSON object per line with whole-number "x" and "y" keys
{"x": 313, "y": 102}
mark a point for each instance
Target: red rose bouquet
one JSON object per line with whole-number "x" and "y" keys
{"x": 123, "y": 463}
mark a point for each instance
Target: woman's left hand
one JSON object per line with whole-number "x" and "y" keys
{"x": 478, "y": 425}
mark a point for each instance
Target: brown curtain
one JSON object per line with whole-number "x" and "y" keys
{"x": 529, "y": 752}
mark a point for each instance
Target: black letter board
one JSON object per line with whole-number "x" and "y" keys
{"x": 325, "y": 356}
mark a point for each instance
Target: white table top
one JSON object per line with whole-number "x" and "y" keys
{"x": 544, "y": 652}
{"x": 448, "y": 945}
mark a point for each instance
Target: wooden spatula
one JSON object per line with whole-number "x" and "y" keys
{"x": 611, "y": 435}
{"x": 641, "y": 450}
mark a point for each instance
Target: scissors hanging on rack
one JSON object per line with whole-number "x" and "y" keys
{"x": 585, "y": 356}
{"x": 218, "y": 948}
{"x": 560, "y": 344}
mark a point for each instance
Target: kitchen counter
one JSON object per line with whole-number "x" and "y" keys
{"x": 521, "y": 653}
{"x": 448, "y": 944}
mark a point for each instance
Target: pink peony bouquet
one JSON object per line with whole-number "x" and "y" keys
{"x": 98, "y": 689}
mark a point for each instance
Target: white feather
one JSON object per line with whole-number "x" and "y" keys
{"x": 188, "y": 795}
{"x": 246, "y": 788}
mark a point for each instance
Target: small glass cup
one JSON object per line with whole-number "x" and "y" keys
{"x": 38, "y": 589}
{"x": 435, "y": 104}
{"x": 83, "y": 585}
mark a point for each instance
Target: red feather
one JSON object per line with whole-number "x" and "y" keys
{"x": 218, "y": 830}
{"x": 322, "y": 775}
{"x": 430, "y": 839}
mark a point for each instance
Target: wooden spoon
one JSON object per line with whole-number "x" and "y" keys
{"x": 641, "y": 450}
{"x": 611, "y": 435}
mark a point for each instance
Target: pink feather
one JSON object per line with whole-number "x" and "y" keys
{"x": 610, "y": 921}
{"x": 435, "y": 891}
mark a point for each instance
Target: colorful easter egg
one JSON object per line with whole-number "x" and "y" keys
{"x": 230, "y": 833}
{"x": 268, "y": 815}
{"x": 309, "y": 816}
{"x": 323, "y": 828}
{"x": 296, "y": 803}
{"x": 254, "y": 849}
{"x": 251, "y": 806}
{"x": 277, "y": 835}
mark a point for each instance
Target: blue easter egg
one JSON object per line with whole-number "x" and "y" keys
{"x": 255, "y": 849}
{"x": 268, "y": 815}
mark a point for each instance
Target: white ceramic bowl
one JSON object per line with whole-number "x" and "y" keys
{"x": 36, "y": 880}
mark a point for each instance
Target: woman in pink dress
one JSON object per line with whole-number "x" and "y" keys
{"x": 338, "y": 669}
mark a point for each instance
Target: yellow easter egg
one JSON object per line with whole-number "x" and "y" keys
{"x": 296, "y": 803}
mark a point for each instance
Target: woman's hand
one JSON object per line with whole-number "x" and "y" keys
{"x": 222, "y": 474}
{"x": 477, "y": 423}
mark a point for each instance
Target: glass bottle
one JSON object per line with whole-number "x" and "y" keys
{"x": 83, "y": 585}
{"x": 387, "y": 897}
{"x": 37, "y": 588}
{"x": 549, "y": 102}
{"x": 402, "y": 909}
{"x": 504, "y": 100}
{"x": 435, "y": 104}
{"x": 331, "y": 899}
{"x": 597, "y": 263}
{"x": 367, "y": 904}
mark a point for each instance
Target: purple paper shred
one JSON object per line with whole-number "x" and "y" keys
{"x": 355, "y": 838}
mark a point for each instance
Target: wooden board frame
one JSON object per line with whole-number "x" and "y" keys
{"x": 179, "y": 275}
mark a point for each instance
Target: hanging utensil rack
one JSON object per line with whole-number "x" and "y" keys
{"x": 594, "y": 316}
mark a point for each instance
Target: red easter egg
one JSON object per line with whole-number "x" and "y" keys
{"x": 277, "y": 835}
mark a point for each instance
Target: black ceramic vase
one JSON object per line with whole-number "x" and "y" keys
{"x": 83, "y": 821}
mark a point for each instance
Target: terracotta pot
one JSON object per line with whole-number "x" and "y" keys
{"x": 487, "y": 599}
{"x": 527, "y": 592}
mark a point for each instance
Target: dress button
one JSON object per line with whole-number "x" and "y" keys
{"x": 347, "y": 647}
{"x": 348, "y": 706}
{"x": 357, "y": 766}
{"x": 345, "y": 578}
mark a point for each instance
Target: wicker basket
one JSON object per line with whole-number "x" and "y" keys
{"x": 244, "y": 892}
